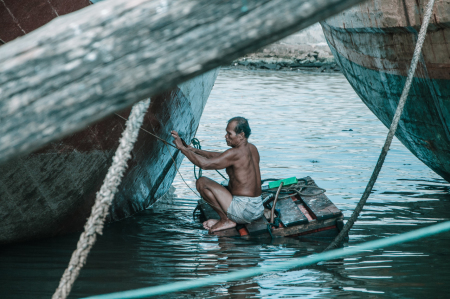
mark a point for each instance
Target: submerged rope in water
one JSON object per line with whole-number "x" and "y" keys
{"x": 393, "y": 128}
{"x": 94, "y": 224}
{"x": 280, "y": 266}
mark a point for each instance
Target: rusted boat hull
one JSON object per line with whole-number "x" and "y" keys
{"x": 51, "y": 191}
{"x": 374, "y": 43}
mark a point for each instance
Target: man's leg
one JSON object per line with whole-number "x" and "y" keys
{"x": 219, "y": 198}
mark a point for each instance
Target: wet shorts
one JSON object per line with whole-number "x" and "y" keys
{"x": 244, "y": 209}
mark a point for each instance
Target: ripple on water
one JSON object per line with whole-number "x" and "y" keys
{"x": 301, "y": 125}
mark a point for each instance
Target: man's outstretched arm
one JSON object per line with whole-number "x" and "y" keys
{"x": 224, "y": 160}
{"x": 206, "y": 154}
{"x": 221, "y": 161}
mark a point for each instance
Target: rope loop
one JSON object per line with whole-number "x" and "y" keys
{"x": 196, "y": 144}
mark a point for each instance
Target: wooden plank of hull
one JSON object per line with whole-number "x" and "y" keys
{"x": 51, "y": 191}
{"x": 374, "y": 43}
{"x": 18, "y": 18}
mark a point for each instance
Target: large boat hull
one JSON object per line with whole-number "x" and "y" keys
{"x": 51, "y": 191}
{"x": 374, "y": 43}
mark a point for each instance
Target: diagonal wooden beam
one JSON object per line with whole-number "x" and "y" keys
{"x": 84, "y": 66}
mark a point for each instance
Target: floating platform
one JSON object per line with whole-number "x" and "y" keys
{"x": 309, "y": 214}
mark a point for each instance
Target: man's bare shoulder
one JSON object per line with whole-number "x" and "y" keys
{"x": 231, "y": 152}
{"x": 253, "y": 147}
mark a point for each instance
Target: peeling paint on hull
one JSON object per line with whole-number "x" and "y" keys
{"x": 374, "y": 43}
{"x": 51, "y": 191}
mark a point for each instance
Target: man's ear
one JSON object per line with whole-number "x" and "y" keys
{"x": 242, "y": 134}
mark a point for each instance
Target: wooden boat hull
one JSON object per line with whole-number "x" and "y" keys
{"x": 51, "y": 191}
{"x": 373, "y": 43}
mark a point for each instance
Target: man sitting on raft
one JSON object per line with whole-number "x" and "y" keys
{"x": 241, "y": 201}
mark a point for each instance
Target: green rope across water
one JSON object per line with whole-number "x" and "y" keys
{"x": 281, "y": 266}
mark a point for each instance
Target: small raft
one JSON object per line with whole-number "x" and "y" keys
{"x": 299, "y": 211}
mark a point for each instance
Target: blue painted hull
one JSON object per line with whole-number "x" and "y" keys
{"x": 373, "y": 44}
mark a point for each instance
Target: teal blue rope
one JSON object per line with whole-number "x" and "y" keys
{"x": 197, "y": 145}
{"x": 281, "y": 266}
{"x": 276, "y": 223}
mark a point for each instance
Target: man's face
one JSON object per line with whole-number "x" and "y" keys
{"x": 231, "y": 137}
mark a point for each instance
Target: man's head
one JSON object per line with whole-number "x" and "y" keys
{"x": 238, "y": 130}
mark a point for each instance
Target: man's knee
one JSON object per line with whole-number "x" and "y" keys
{"x": 201, "y": 183}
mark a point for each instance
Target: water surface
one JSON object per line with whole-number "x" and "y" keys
{"x": 303, "y": 124}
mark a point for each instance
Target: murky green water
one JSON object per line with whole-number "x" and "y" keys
{"x": 300, "y": 124}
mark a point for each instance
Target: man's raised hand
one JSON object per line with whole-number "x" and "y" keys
{"x": 177, "y": 140}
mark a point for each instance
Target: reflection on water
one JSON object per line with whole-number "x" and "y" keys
{"x": 301, "y": 125}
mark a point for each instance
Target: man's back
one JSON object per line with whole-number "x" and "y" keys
{"x": 245, "y": 176}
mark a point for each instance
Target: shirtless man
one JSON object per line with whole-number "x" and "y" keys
{"x": 241, "y": 201}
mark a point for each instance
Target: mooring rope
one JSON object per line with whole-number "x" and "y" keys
{"x": 392, "y": 130}
{"x": 156, "y": 136}
{"x": 94, "y": 224}
{"x": 176, "y": 167}
{"x": 278, "y": 266}
{"x": 194, "y": 141}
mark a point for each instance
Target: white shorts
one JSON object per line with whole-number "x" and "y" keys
{"x": 244, "y": 209}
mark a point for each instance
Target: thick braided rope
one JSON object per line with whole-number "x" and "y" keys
{"x": 94, "y": 224}
{"x": 393, "y": 128}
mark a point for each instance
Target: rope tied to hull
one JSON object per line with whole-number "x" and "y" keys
{"x": 103, "y": 200}
{"x": 392, "y": 129}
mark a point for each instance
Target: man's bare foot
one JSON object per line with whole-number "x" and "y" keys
{"x": 209, "y": 223}
{"x": 222, "y": 225}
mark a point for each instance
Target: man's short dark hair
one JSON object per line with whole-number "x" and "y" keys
{"x": 241, "y": 126}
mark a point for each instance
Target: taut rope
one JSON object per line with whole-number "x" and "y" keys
{"x": 94, "y": 225}
{"x": 157, "y": 137}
